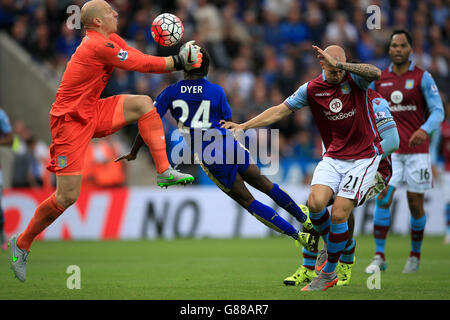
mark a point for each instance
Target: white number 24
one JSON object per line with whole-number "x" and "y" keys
{"x": 200, "y": 120}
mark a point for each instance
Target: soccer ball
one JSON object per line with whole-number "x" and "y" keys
{"x": 167, "y": 29}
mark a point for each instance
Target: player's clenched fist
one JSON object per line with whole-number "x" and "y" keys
{"x": 417, "y": 138}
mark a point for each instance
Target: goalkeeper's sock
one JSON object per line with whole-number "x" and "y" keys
{"x": 270, "y": 218}
{"x": 283, "y": 199}
{"x": 45, "y": 214}
{"x": 309, "y": 258}
{"x": 152, "y": 132}
{"x": 321, "y": 221}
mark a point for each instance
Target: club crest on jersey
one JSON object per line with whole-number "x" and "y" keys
{"x": 62, "y": 161}
{"x": 379, "y": 115}
{"x": 335, "y": 105}
{"x": 396, "y": 96}
{"x": 409, "y": 84}
{"x": 345, "y": 87}
{"x": 122, "y": 55}
{"x": 434, "y": 89}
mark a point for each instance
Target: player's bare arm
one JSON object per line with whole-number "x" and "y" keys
{"x": 137, "y": 144}
{"x": 271, "y": 115}
{"x": 367, "y": 71}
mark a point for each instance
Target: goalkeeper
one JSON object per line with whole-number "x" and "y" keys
{"x": 78, "y": 115}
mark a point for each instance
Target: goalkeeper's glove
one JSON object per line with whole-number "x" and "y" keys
{"x": 188, "y": 58}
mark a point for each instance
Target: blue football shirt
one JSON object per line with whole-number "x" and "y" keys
{"x": 195, "y": 104}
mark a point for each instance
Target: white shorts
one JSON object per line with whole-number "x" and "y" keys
{"x": 349, "y": 179}
{"x": 412, "y": 169}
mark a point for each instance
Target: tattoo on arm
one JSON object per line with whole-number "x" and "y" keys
{"x": 367, "y": 71}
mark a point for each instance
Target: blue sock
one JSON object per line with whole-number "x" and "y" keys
{"x": 381, "y": 223}
{"x": 321, "y": 221}
{"x": 309, "y": 259}
{"x": 348, "y": 255}
{"x": 417, "y": 231}
{"x": 383, "y": 202}
{"x": 336, "y": 244}
{"x": 282, "y": 199}
{"x": 447, "y": 215}
{"x": 270, "y": 218}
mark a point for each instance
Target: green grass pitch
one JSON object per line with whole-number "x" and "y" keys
{"x": 214, "y": 269}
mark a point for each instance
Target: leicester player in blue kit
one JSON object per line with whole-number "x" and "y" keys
{"x": 199, "y": 106}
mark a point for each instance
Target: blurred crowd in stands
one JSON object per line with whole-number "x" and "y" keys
{"x": 261, "y": 49}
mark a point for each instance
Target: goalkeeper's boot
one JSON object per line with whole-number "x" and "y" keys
{"x": 302, "y": 275}
{"x": 321, "y": 258}
{"x": 322, "y": 282}
{"x": 307, "y": 240}
{"x": 172, "y": 177}
{"x": 412, "y": 265}
{"x": 377, "y": 264}
{"x": 344, "y": 273}
{"x": 18, "y": 259}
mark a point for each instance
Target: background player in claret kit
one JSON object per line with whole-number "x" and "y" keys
{"x": 338, "y": 100}
{"x": 6, "y": 139}
{"x": 199, "y": 112}
{"x": 78, "y": 115}
{"x": 314, "y": 259}
{"x": 412, "y": 95}
{"x": 441, "y": 141}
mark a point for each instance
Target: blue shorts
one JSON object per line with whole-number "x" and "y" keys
{"x": 229, "y": 160}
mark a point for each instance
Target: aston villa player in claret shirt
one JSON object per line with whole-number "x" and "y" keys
{"x": 440, "y": 145}
{"x": 416, "y": 106}
{"x": 339, "y": 102}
